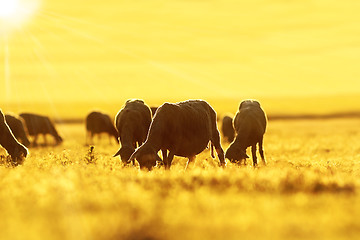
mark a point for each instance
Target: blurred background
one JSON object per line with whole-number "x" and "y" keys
{"x": 65, "y": 58}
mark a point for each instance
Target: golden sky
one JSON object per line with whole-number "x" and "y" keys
{"x": 107, "y": 50}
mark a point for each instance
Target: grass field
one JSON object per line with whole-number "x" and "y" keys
{"x": 308, "y": 190}
{"x": 296, "y": 57}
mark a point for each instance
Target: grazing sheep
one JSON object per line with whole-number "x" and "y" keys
{"x": 250, "y": 125}
{"x": 16, "y": 150}
{"x": 227, "y": 128}
{"x": 37, "y": 124}
{"x": 17, "y": 128}
{"x": 183, "y": 128}
{"x": 97, "y": 123}
{"x": 132, "y": 123}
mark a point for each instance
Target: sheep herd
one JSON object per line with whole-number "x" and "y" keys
{"x": 182, "y": 129}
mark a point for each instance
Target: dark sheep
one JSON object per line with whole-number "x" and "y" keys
{"x": 17, "y": 128}
{"x": 183, "y": 128}
{"x": 227, "y": 128}
{"x": 37, "y": 124}
{"x": 132, "y": 123}
{"x": 16, "y": 150}
{"x": 97, "y": 123}
{"x": 250, "y": 125}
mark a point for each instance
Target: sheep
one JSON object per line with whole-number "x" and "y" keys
{"x": 132, "y": 123}
{"x": 37, "y": 124}
{"x": 16, "y": 150}
{"x": 184, "y": 129}
{"x": 250, "y": 125}
{"x": 17, "y": 128}
{"x": 227, "y": 128}
{"x": 97, "y": 123}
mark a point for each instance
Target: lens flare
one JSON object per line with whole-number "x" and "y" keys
{"x": 8, "y": 8}
{"x": 14, "y": 13}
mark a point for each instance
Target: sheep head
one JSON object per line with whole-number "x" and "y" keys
{"x": 18, "y": 154}
{"x": 146, "y": 157}
{"x": 235, "y": 154}
{"x": 125, "y": 153}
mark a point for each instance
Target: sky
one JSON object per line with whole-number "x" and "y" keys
{"x": 170, "y": 50}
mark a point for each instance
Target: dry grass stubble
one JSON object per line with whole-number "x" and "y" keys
{"x": 309, "y": 189}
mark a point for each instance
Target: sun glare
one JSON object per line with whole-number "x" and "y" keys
{"x": 14, "y": 13}
{"x": 8, "y": 8}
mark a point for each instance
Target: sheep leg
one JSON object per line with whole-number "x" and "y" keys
{"x": 220, "y": 152}
{"x": 212, "y": 150}
{"x": 261, "y": 151}
{"x": 45, "y": 140}
{"x": 134, "y": 144}
{"x": 35, "y": 140}
{"x": 253, "y": 152}
{"x": 170, "y": 158}
{"x": 190, "y": 161}
{"x": 165, "y": 158}
{"x": 215, "y": 140}
{"x": 92, "y": 138}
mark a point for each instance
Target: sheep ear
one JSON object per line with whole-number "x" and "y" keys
{"x": 117, "y": 153}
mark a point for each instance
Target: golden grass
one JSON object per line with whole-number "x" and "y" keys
{"x": 308, "y": 190}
